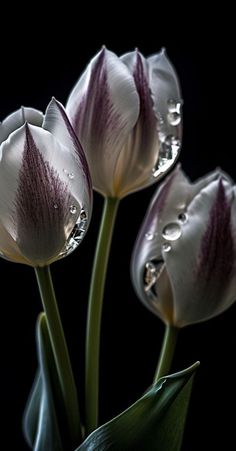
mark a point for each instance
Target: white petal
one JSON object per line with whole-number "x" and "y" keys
{"x": 134, "y": 169}
{"x": 17, "y": 119}
{"x": 62, "y": 159}
{"x": 11, "y": 153}
{"x": 57, "y": 123}
{"x": 103, "y": 109}
{"x": 9, "y": 249}
{"x": 195, "y": 299}
{"x": 166, "y": 94}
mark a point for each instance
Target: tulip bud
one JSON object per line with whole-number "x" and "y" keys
{"x": 45, "y": 189}
{"x": 127, "y": 114}
{"x": 184, "y": 259}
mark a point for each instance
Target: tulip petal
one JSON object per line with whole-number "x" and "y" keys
{"x": 140, "y": 153}
{"x": 35, "y": 203}
{"x": 57, "y": 122}
{"x": 9, "y": 248}
{"x": 42, "y": 206}
{"x": 17, "y": 119}
{"x": 167, "y": 101}
{"x": 164, "y": 83}
{"x": 204, "y": 270}
{"x": 103, "y": 108}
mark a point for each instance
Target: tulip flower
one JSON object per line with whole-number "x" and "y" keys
{"x": 184, "y": 260}
{"x": 127, "y": 114}
{"x": 45, "y": 190}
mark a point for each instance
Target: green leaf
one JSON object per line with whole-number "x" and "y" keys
{"x": 154, "y": 423}
{"x": 44, "y": 421}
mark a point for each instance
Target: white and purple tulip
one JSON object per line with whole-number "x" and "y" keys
{"x": 45, "y": 186}
{"x": 127, "y": 114}
{"x": 184, "y": 260}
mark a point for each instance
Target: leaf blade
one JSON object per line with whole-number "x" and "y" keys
{"x": 154, "y": 422}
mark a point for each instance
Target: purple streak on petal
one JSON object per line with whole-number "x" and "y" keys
{"x": 77, "y": 145}
{"x": 42, "y": 205}
{"x": 217, "y": 253}
{"x": 95, "y": 120}
{"x": 147, "y": 120}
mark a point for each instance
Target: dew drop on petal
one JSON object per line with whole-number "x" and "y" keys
{"x": 152, "y": 271}
{"x": 183, "y": 218}
{"x": 149, "y": 236}
{"x": 73, "y": 209}
{"x": 71, "y": 175}
{"x": 55, "y": 206}
{"x": 181, "y": 206}
{"x": 166, "y": 247}
{"x": 174, "y": 118}
{"x": 171, "y": 105}
{"x": 172, "y": 231}
{"x": 76, "y": 235}
{"x": 169, "y": 149}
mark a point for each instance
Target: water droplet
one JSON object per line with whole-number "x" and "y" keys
{"x": 83, "y": 215}
{"x": 169, "y": 149}
{"x": 174, "y": 118}
{"x": 183, "y": 217}
{"x": 152, "y": 271}
{"x": 172, "y": 141}
{"x": 160, "y": 120}
{"x": 149, "y": 236}
{"x": 166, "y": 247}
{"x": 76, "y": 235}
{"x": 55, "y": 206}
{"x": 73, "y": 209}
{"x": 181, "y": 206}
{"x": 173, "y": 106}
{"x": 174, "y": 112}
{"x": 70, "y": 175}
{"x": 172, "y": 231}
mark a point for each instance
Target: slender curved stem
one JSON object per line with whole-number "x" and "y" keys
{"x": 167, "y": 352}
{"x": 60, "y": 352}
{"x": 95, "y": 312}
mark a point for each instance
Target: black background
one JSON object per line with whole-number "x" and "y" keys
{"x": 43, "y": 56}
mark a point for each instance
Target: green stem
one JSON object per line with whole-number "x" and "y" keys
{"x": 167, "y": 352}
{"x": 60, "y": 352}
{"x": 95, "y": 312}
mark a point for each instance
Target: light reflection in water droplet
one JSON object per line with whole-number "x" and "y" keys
{"x": 166, "y": 247}
{"x": 169, "y": 149}
{"x": 172, "y": 231}
{"x": 73, "y": 209}
{"x": 183, "y": 218}
{"x": 76, "y": 235}
{"x": 152, "y": 271}
{"x": 174, "y": 118}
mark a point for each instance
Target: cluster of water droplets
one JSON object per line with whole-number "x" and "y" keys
{"x": 152, "y": 271}
{"x": 170, "y": 232}
{"x": 169, "y": 142}
{"x": 77, "y": 233}
{"x": 69, "y": 174}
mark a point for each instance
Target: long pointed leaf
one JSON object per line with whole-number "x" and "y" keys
{"x": 42, "y": 418}
{"x": 154, "y": 423}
